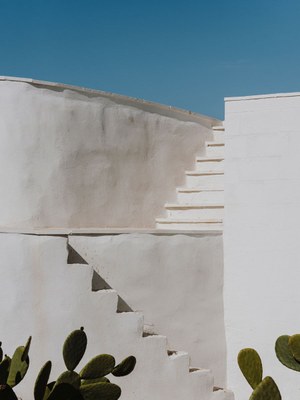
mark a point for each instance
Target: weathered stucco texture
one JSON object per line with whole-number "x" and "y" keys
{"x": 262, "y": 233}
{"x": 71, "y": 158}
{"x": 176, "y": 281}
{"x": 43, "y": 296}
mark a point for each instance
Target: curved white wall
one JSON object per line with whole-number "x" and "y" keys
{"x": 71, "y": 157}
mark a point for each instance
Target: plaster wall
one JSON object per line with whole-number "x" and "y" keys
{"x": 72, "y": 157}
{"x": 262, "y": 232}
{"x": 175, "y": 280}
{"x": 44, "y": 296}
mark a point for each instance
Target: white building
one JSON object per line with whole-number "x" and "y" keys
{"x": 110, "y": 204}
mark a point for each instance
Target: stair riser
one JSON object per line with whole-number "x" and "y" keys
{"x": 212, "y": 151}
{"x": 210, "y": 181}
{"x": 195, "y": 213}
{"x": 201, "y": 197}
{"x": 210, "y": 166}
{"x": 218, "y": 136}
{"x": 189, "y": 227}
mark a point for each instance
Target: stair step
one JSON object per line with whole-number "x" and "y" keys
{"x": 209, "y": 159}
{"x": 210, "y": 165}
{"x": 200, "y": 196}
{"x": 218, "y": 128}
{"x": 195, "y": 211}
{"x": 213, "y": 180}
{"x": 215, "y": 148}
{"x": 222, "y": 394}
{"x": 203, "y": 224}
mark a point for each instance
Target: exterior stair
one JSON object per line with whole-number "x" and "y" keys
{"x": 200, "y": 203}
{"x": 170, "y": 370}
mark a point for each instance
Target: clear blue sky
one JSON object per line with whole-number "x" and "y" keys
{"x": 189, "y": 54}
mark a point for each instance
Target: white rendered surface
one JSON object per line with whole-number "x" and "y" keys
{"x": 261, "y": 232}
{"x": 43, "y": 296}
{"x": 72, "y": 157}
{"x": 176, "y": 281}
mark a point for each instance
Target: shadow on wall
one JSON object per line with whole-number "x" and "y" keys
{"x": 98, "y": 283}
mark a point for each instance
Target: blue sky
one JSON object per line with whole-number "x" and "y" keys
{"x": 189, "y": 54}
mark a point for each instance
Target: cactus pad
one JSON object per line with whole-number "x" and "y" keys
{"x": 1, "y": 352}
{"x": 70, "y": 377}
{"x": 294, "y": 344}
{"x": 103, "y": 391}
{"x": 98, "y": 366}
{"x": 40, "y": 386}
{"x": 284, "y": 353}
{"x": 7, "y": 394}
{"x": 266, "y": 390}
{"x": 125, "y": 367}
{"x": 4, "y": 370}
{"x": 251, "y": 366}
{"x": 91, "y": 381}
{"x": 74, "y": 348}
{"x": 18, "y": 366}
{"x": 64, "y": 391}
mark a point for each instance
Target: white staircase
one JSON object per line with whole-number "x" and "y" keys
{"x": 200, "y": 203}
{"x": 160, "y": 373}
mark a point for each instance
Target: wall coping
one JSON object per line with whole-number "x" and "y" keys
{"x": 105, "y": 231}
{"x": 262, "y": 96}
{"x": 168, "y": 111}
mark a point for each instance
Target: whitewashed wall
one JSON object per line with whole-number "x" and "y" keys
{"x": 262, "y": 232}
{"x": 44, "y": 296}
{"x": 71, "y": 157}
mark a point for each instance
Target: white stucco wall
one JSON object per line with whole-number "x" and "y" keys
{"x": 43, "y": 296}
{"x": 71, "y": 157}
{"x": 176, "y": 281}
{"x": 262, "y": 232}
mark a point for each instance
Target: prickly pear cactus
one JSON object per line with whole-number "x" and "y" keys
{"x": 91, "y": 383}
{"x": 266, "y": 390}
{"x": 13, "y": 370}
{"x": 98, "y": 367}
{"x": 251, "y": 366}
{"x": 284, "y": 353}
{"x": 74, "y": 348}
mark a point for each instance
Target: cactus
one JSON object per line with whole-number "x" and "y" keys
{"x": 74, "y": 348}
{"x": 284, "y": 353}
{"x": 251, "y": 366}
{"x": 91, "y": 383}
{"x": 266, "y": 390}
{"x": 13, "y": 370}
{"x": 98, "y": 367}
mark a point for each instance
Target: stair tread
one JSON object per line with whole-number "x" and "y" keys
{"x": 190, "y": 221}
{"x": 199, "y": 173}
{"x": 218, "y": 128}
{"x": 197, "y": 189}
{"x": 215, "y": 143}
{"x": 190, "y": 205}
{"x": 209, "y": 159}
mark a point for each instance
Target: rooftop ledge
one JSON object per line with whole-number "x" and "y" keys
{"x": 168, "y": 111}
{"x": 262, "y": 96}
{"x": 103, "y": 231}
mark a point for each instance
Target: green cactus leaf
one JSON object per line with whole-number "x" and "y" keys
{"x": 70, "y": 377}
{"x": 41, "y": 382}
{"x": 64, "y": 391}
{"x": 18, "y": 368}
{"x": 266, "y": 390}
{"x": 125, "y": 367}
{"x": 7, "y": 394}
{"x": 294, "y": 344}
{"x": 1, "y": 352}
{"x": 98, "y": 366}
{"x": 74, "y": 348}
{"x": 251, "y": 366}
{"x": 91, "y": 381}
{"x": 4, "y": 370}
{"x": 284, "y": 353}
{"x": 26, "y": 350}
{"x": 103, "y": 391}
